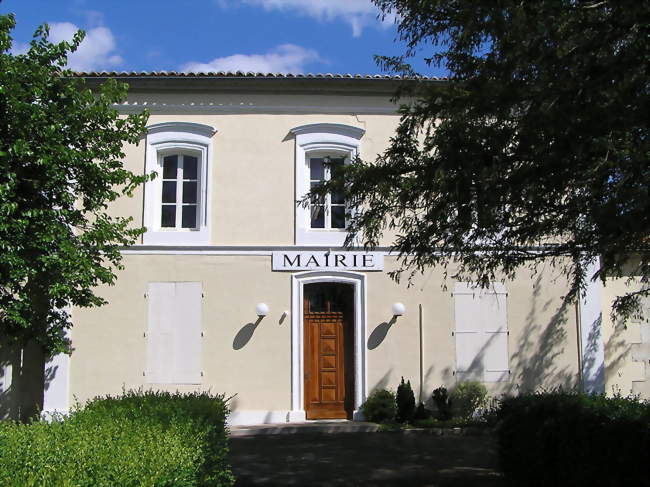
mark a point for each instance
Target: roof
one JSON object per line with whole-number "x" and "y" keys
{"x": 249, "y": 74}
{"x": 345, "y": 84}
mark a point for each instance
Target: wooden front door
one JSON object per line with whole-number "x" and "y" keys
{"x": 329, "y": 351}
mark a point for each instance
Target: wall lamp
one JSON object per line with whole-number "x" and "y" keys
{"x": 262, "y": 310}
{"x": 398, "y": 309}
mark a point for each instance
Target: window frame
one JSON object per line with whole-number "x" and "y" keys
{"x": 311, "y": 141}
{"x": 165, "y": 139}
{"x": 181, "y": 153}
{"x": 327, "y": 202}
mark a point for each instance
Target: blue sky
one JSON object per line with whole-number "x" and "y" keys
{"x": 316, "y": 36}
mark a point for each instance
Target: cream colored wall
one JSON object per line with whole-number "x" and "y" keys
{"x": 542, "y": 344}
{"x": 253, "y": 165}
{"x": 109, "y": 344}
{"x": 624, "y": 371}
{"x": 132, "y": 206}
{"x": 252, "y": 203}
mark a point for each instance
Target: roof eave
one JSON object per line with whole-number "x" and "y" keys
{"x": 259, "y": 83}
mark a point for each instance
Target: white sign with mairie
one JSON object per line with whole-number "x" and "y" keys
{"x": 327, "y": 260}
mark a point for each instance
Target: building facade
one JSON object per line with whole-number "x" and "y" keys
{"x": 235, "y": 288}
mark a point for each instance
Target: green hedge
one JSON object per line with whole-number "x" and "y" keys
{"x": 567, "y": 439}
{"x": 151, "y": 439}
{"x": 380, "y": 407}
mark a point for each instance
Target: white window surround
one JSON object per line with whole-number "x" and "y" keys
{"x": 320, "y": 139}
{"x": 181, "y": 137}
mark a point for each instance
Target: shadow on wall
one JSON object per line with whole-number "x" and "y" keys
{"x": 617, "y": 354}
{"x": 541, "y": 345}
{"x": 593, "y": 376}
{"x": 378, "y": 335}
{"x": 14, "y": 392}
{"x": 245, "y": 334}
{"x": 9, "y": 360}
{"x": 383, "y": 383}
{"x": 233, "y": 403}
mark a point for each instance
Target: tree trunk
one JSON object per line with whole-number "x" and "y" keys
{"x": 29, "y": 382}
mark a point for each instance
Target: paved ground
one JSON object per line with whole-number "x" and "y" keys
{"x": 365, "y": 459}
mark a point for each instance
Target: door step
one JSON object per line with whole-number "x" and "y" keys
{"x": 324, "y": 426}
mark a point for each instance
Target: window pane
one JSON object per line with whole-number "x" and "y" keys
{"x": 316, "y": 169}
{"x": 168, "y": 217}
{"x": 337, "y": 198}
{"x": 317, "y": 302}
{"x": 189, "y": 192}
{"x": 170, "y": 163}
{"x": 189, "y": 216}
{"x": 338, "y": 216}
{"x": 169, "y": 192}
{"x": 317, "y": 200}
{"x": 189, "y": 167}
{"x": 336, "y": 164}
{"x": 317, "y": 216}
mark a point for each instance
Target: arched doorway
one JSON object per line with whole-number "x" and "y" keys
{"x": 357, "y": 282}
{"x": 328, "y": 317}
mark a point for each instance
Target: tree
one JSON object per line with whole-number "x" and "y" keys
{"x": 61, "y": 150}
{"x": 536, "y": 150}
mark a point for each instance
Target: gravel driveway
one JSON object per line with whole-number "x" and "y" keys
{"x": 368, "y": 459}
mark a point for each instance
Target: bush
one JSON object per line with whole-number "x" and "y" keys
{"x": 143, "y": 438}
{"x": 442, "y": 403}
{"x": 569, "y": 439}
{"x": 466, "y": 398}
{"x": 405, "y": 402}
{"x": 380, "y": 406}
{"x": 421, "y": 413}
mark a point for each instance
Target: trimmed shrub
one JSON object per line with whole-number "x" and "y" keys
{"x": 466, "y": 398}
{"x": 380, "y": 406}
{"x": 442, "y": 402}
{"x": 405, "y": 402}
{"x": 570, "y": 439}
{"x": 143, "y": 438}
{"x": 421, "y": 413}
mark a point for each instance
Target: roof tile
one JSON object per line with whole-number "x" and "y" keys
{"x": 250, "y": 74}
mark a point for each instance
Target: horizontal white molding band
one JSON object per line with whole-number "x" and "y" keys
{"x": 234, "y": 250}
{"x": 261, "y": 250}
{"x": 244, "y": 108}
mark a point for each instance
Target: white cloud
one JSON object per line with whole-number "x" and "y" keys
{"x": 286, "y": 58}
{"x": 19, "y": 48}
{"x": 97, "y": 50}
{"x": 357, "y": 13}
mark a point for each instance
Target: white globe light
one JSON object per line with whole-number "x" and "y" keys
{"x": 262, "y": 309}
{"x": 398, "y": 309}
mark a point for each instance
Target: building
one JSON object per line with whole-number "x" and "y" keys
{"x": 236, "y": 289}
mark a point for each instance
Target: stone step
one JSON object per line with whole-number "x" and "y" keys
{"x": 342, "y": 426}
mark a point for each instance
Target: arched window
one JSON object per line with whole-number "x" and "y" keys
{"x": 176, "y": 201}
{"x": 320, "y": 148}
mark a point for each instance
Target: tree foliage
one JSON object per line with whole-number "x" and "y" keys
{"x": 535, "y": 150}
{"x": 61, "y": 151}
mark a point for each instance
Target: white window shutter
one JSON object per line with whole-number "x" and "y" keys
{"x": 187, "y": 333}
{"x": 494, "y": 312}
{"x": 173, "y": 353}
{"x": 160, "y": 332}
{"x": 496, "y": 357}
{"x": 468, "y": 333}
{"x": 481, "y": 332}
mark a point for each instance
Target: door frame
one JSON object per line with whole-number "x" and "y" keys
{"x": 298, "y": 281}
